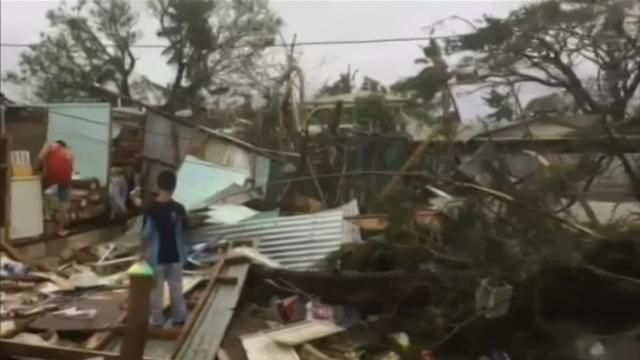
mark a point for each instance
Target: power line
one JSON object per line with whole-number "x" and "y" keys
{"x": 302, "y": 43}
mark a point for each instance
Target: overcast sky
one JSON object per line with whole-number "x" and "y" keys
{"x": 23, "y": 20}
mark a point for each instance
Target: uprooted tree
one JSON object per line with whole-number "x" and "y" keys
{"x": 87, "y": 43}
{"x": 516, "y": 229}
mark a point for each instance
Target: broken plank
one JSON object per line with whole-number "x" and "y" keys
{"x": 101, "y": 339}
{"x": 262, "y": 347}
{"x": 7, "y": 328}
{"x": 157, "y": 333}
{"x": 302, "y": 332}
{"x": 222, "y": 355}
{"x": 227, "y": 280}
{"x": 192, "y": 318}
{"x": 14, "y": 348}
{"x": 210, "y": 324}
{"x": 11, "y": 251}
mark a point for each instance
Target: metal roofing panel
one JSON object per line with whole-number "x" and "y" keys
{"x": 297, "y": 242}
{"x": 199, "y": 180}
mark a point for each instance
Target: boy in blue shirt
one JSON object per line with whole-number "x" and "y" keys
{"x": 163, "y": 238}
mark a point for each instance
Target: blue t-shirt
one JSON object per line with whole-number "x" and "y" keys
{"x": 165, "y": 216}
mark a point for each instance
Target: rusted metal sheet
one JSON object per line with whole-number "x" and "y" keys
{"x": 380, "y": 222}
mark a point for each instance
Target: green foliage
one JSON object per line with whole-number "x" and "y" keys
{"x": 212, "y": 43}
{"x": 544, "y": 41}
{"x": 500, "y": 103}
{"x": 425, "y": 85}
{"x": 373, "y": 111}
{"x": 552, "y": 103}
{"x": 345, "y": 84}
{"x": 76, "y": 51}
{"x": 431, "y": 79}
{"x": 373, "y": 85}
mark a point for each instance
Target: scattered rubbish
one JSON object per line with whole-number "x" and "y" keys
{"x": 74, "y": 312}
{"x": 7, "y": 327}
{"x": 48, "y": 338}
{"x": 401, "y": 339}
{"x": 496, "y": 355}
{"x": 262, "y": 347}
{"x": 590, "y": 348}
{"x": 318, "y": 311}
{"x": 427, "y": 355}
{"x": 390, "y": 355}
{"x": 228, "y": 214}
{"x": 254, "y": 255}
{"x": 296, "y": 334}
{"x": 10, "y": 267}
{"x": 85, "y": 279}
{"x": 493, "y": 298}
{"x": 92, "y": 313}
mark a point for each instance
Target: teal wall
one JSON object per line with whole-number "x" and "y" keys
{"x": 86, "y": 128}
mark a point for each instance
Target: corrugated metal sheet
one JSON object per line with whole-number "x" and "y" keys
{"x": 351, "y": 231}
{"x": 199, "y": 181}
{"x": 296, "y": 242}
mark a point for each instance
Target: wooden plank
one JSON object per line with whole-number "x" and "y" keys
{"x": 195, "y": 314}
{"x": 628, "y": 144}
{"x": 205, "y": 337}
{"x": 101, "y": 339}
{"x": 261, "y": 347}
{"x": 9, "y": 249}
{"x": 5, "y": 188}
{"x": 14, "y": 348}
{"x": 18, "y": 349}
{"x": 229, "y": 280}
{"x": 203, "y": 345}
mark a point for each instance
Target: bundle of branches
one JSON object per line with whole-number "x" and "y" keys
{"x": 513, "y": 235}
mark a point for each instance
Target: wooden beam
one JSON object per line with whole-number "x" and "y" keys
{"x": 413, "y": 160}
{"x": 628, "y": 144}
{"x": 228, "y": 280}
{"x": 157, "y": 333}
{"x": 138, "y": 309}
{"x": 5, "y": 195}
{"x": 195, "y": 314}
{"x": 14, "y": 348}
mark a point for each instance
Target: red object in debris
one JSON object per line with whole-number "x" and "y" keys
{"x": 289, "y": 306}
{"x": 321, "y": 312}
{"x": 427, "y": 355}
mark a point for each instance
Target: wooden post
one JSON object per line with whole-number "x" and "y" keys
{"x": 5, "y": 190}
{"x": 137, "y": 320}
